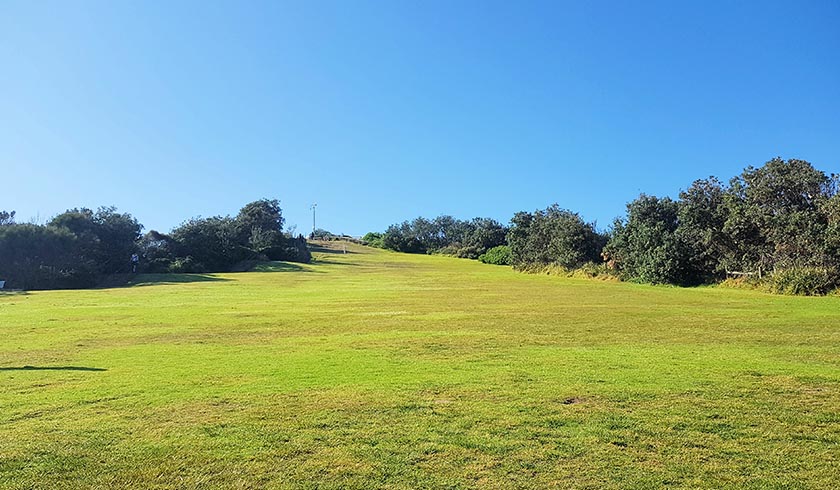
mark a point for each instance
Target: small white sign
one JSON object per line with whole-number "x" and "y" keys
{"x": 2, "y": 284}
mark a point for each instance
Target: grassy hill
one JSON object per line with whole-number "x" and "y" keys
{"x": 380, "y": 369}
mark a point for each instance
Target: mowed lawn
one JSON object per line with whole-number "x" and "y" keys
{"x": 377, "y": 369}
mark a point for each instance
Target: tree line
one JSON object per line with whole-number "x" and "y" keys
{"x": 444, "y": 234}
{"x": 79, "y": 247}
{"x": 777, "y": 226}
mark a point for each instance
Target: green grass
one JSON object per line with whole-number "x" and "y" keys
{"x": 376, "y": 369}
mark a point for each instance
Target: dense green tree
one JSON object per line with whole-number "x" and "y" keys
{"x": 646, "y": 247}
{"x": 701, "y": 218}
{"x": 373, "y": 239}
{"x": 553, "y": 236}
{"x": 158, "y": 251}
{"x": 212, "y": 244}
{"x": 259, "y": 225}
{"x": 499, "y": 255}
{"x": 775, "y": 217}
{"x": 830, "y": 209}
{"x": 79, "y": 246}
{"x": 481, "y": 235}
{"x": 41, "y": 257}
{"x": 296, "y": 250}
{"x": 446, "y": 235}
{"x": 104, "y": 238}
{"x": 403, "y": 238}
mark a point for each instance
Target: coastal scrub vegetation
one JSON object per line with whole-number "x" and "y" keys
{"x": 80, "y": 247}
{"x": 775, "y": 227}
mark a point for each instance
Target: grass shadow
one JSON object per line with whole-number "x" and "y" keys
{"x": 12, "y": 292}
{"x": 277, "y": 266}
{"x": 51, "y": 368}
{"x": 330, "y": 261}
{"x": 317, "y": 248}
{"x": 172, "y": 278}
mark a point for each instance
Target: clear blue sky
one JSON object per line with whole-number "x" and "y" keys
{"x": 383, "y": 111}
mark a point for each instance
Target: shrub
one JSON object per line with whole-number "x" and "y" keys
{"x": 322, "y": 234}
{"x": 553, "y": 236}
{"x": 185, "y": 265}
{"x": 42, "y": 257}
{"x": 645, "y": 247}
{"x": 296, "y": 250}
{"x": 499, "y": 255}
{"x": 444, "y": 235}
{"x": 741, "y": 283}
{"x": 803, "y": 281}
{"x": 593, "y": 270}
{"x": 372, "y": 239}
{"x": 158, "y": 266}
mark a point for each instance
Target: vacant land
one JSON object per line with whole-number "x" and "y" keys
{"x": 381, "y": 369}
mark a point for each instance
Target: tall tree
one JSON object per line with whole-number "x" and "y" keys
{"x": 105, "y": 237}
{"x": 774, "y": 218}
{"x": 553, "y": 236}
{"x": 646, "y": 247}
{"x": 41, "y": 257}
{"x": 211, "y": 244}
{"x": 260, "y": 224}
{"x": 701, "y": 218}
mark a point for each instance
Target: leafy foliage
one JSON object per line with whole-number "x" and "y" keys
{"x": 500, "y": 255}
{"x": 105, "y": 239}
{"x": 259, "y": 225}
{"x": 646, "y": 247}
{"x": 213, "y": 244}
{"x": 79, "y": 247}
{"x": 373, "y": 239}
{"x": 553, "y": 236}
{"x": 445, "y": 234}
{"x": 781, "y": 220}
{"x": 776, "y": 216}
{"x": 73, "y": 250}
{"x": 803, "y": 281}
{"x": 39, "y": 257}
{"x": 295, "y": 250}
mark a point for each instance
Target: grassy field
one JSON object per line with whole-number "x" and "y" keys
{"x": 376, "y": 369}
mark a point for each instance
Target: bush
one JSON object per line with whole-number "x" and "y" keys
{"x": 444, "y": 235}
{"x": 322, "y": 234}
{"x": 42, "y": 257}
{"x": 158, "y": 266}
{"x": 646, "y": 247}
{"x": 185, "y": 265}
{"x": 499, "y": 255}
{"x": 372, "y": 239}
{"x": 747, "y": 283}
{"x": 592, "y": 270}
{"x": 296, "y": 250}
{"x": 803, "y": 281}
{"x": 553, "y": 236}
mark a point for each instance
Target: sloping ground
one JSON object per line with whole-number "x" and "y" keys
{"x": 371, "y": 369}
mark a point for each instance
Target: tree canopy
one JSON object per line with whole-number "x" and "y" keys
{"x": 78, "y": 247}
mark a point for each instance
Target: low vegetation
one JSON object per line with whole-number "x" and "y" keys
{"x": 81, "y": 247}
{"x": 778, "y": 224}
{"x": 499, "y": 255}
{"x": 374, "y": 369}
{"x": 445, "y": 235}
